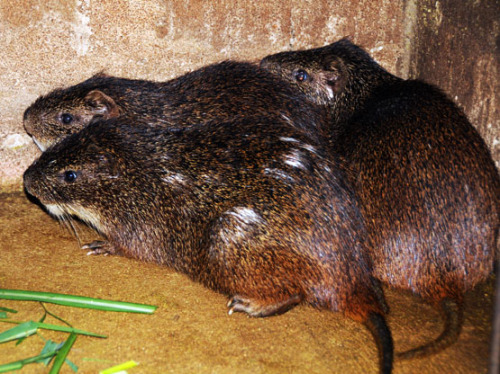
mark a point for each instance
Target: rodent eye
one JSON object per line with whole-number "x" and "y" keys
{"x": 70, "y": 176}
{"x": 301, "y": 75}
{"x": 66, "y": 118}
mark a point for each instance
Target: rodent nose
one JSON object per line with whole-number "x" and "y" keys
{"x": 27, "y": 122}
{"x": 29, "y": 178}
{"x": 27, "y": 181}
{"x": 26, "y": 113}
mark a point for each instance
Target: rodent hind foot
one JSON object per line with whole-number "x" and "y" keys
{"x": 258, "y": 308}
{"x": 100, "y": 247}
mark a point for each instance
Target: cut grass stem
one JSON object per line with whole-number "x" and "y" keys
{"x": 77, "y": 301}
{"x": 25, "y": 329}
{"x": 62, "y": 353}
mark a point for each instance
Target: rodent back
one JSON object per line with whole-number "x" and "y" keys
{"x": 430, "y": 188}
{"x": 220, "y": 91}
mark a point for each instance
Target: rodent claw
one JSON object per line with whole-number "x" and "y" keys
{"x": 236, "y": 304}
{"x": 99, "y": 247}
{"x": 96, "y": 244}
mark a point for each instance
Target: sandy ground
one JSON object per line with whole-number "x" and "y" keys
{"x": 191, "y": 331}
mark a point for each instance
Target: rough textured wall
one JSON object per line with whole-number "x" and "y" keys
{"x": 46, "y": 44}
{"x": 458, "y": 48}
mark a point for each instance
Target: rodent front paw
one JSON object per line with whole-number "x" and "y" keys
{"x": 100, "y": 247}
{"x": 259, "y": 308}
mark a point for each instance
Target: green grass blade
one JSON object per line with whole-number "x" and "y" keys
{"x": 11, "y": 366}
{"x": 72, "y": 365}
{"x": 63, "y": 352}
{"x": 21, "y": 340}
{"x": 17, "y": 365}
{"x": 8, "y": 310}
{"x": 33, "y": 326}
{"x": 48, "y": 326}
{"x": 77, "y": 301}
{"x": 21, "y": 331}
{"x": 50, "y": 346}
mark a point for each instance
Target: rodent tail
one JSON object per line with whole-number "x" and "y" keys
{"x": 378, "y": 327}
{"x": 453, "y": 314}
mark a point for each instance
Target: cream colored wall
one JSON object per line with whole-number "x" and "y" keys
{"x": 46, "y": 44}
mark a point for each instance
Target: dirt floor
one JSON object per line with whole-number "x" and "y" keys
{"x": 191, "y": 331}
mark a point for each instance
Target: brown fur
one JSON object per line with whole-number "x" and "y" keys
{"x": 220, "y": 91}
{"x": 250, "y": 208}
{"x": 428, "y": 187}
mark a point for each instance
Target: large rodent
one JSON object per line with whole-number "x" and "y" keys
{"x": 220, "y": 91}
{"x": 428, "y": 188}
{"x": 249, "y": 208}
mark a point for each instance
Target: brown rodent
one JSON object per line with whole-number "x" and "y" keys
{"x": 428, "y": 188}
{"x": 249, "y": 208}
{"x": 220, "y": 91}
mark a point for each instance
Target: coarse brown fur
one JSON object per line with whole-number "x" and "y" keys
{"x": 250, "y": 208}
{"x": 220, "y": 91}
{"x": 428, "y": 187}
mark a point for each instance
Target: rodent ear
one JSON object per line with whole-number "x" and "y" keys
{"x": 335, "y": 76}
{"x": 102, "y": 104}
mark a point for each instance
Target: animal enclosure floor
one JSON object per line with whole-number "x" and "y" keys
{"x": 191, "y": 332}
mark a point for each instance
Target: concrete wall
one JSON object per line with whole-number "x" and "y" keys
{"x": 46, "y": 44}
{"x": 458, "y": 48}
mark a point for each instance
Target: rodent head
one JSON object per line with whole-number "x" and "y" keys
{"x": 320, "y": 78}
{"x": 66, "y": 111}
{"x": 327, "y": 74}
{"x": 68, "y": 178}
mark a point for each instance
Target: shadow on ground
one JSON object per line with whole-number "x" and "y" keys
{"x": 191, "y": 331}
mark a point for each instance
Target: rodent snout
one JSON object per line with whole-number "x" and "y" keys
{"x": 25, "y": 120}
{"x": 26, "y": 113}
{"x": 28, "y": 123}
{"x": 30, "y": 178}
